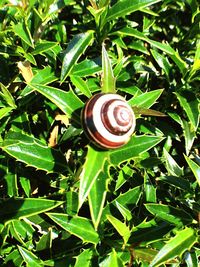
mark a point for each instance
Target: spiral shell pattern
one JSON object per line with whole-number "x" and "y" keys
{"x": 108, "y": 121}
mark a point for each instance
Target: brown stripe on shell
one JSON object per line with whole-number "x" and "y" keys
{"x": 105, "y": 119}
{"x": 117, "y": 113}
{"x": 90, "y": 129}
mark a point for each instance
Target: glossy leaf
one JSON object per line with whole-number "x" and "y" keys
{"x": 5, "y": 112}
{"x": 136, "y": 146}
{"x": 145, "y": 100}
{"x": 191, "y": 259}
{"x": 72, "y": 202}
{"x": 84, "y": 259}
{"x": 173, "y": 168}
{"x": 45, "y": 241}
{"x": 5, "y": 93}
{"x": 190, "y": 105}
{"x": 150, "y": 190}
{"x": 162, "y": 46}
{"x": 92, "y": 167}
{"x": 75, "y": 49}
{"x": 14, "y": 257}
{"x": 162, "y": 62}
{"x": 68, "y": 102}
{"x": 86, "y": 67}
{"x": 112, "y": 260}
{"x": 43, "y": 47}
{"x": 21, "y": 231}
{"x": 97, "y": 197}
{"x": 131, "y": 197}
{"x": 41, "y": 156}
{"x": 121, "y": 228}
{"x": 195, "y": 168}
{"x": 189, "y": 135}
{"x": 81, "y": 85}
{"x": 17, "y": 208}
{"x": 22, "y": 30}
{"x": 150, "y": 231}
{"x": 170, "y": 214}
{"x": 183, "y": 241}
{"x": 108, "y": 79}
{"x": 179, "y": 182}
{"x": 123, "y": 203}
{"x": 43, "y": 76}
{"x": 125, "y": 7}
{"x": 78, "y": 226}
{"x": 30, "y": 259}
{"x": 144, "y": 254}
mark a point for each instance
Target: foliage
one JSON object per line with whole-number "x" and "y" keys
{"x": 63, "y": 201}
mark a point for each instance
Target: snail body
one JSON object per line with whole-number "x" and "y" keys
{"x": 108, "y": 121}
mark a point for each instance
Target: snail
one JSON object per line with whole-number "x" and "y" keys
{"x": 108, "y": 121}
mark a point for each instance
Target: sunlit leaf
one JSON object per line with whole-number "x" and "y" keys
{"x": 78, "y": 226}
{"x": 108, "y": 79}
{"x": 183, "y": 241}
{"x": 75, "y": 49}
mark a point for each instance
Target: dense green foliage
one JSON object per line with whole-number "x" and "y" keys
{"x": 63, "y": 202}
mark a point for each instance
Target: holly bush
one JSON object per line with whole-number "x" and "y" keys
{"x": 65, "y": 202}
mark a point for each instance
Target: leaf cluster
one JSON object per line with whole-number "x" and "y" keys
{"x": 63, "y": 201}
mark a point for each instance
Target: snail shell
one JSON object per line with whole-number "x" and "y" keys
{"x": 108, "y": 121}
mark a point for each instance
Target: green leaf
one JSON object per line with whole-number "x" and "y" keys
{"x": 43, "y": 47}
{"x": 150, "y": 231}
{"x": 141, "y": 36}
{"x": 68, "y": 102}
{"x": 183, "y": 241}
{"x": 84, "y": 259}
{"x": 25, "y": 184}
{"x": 121, "y": 228}
{"x": 78, "y": 226}
{"x": 150, "y": 190}
{"x": 93, "y": 165}
{"x": 75, "y": 49}
{"x": 173, "y": 168}
{"x": 170, "y": 214}
{"x": 136, "y": 146}
{"x": 124, "y": 203}
{"x": 43, "y": 76}
{"x": 18, "y": 208}
{"x": 113, "y": 260}
{"x": 162, "y": 62}
{"x": 30, "y": 259}
{"x": 14, "y": 257}
{"x": 97, "y": 198}
{"x": 195, "y": 168}
{"x": 145, "y": 254}
{"x": 5, "y": 111}
{"x": 191, "y": 259}
{"x": 33, "y": 152}
{"x": 146, "y": 100}
{"x": 190, "y": 104}
{"x": 122, "y": 8}
{"x": 45, "y": 241}
{"x": 196, "y": 64}
{"x": 81, "y": 85}
{"x": 22, "y": 30}
{"x": 20, "y": 230}
{"x": 189, "y": 135}
{"x": 6, "y": 95}
{"x": 86, "y": 67}
{"x": 180, "y": 183}
{"x": 162, "y": 46}
{"x": 108, "y": 79}
{"x": 131, "y": 197}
